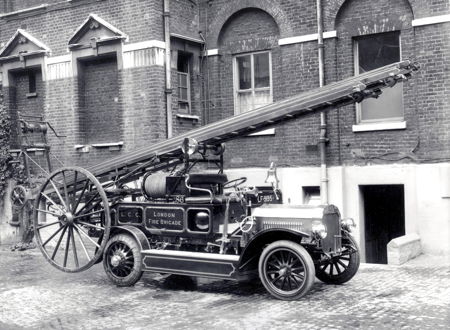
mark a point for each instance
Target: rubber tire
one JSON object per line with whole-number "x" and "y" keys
{"x": 136, "y": 272}
{"x": 346, "y": 275}
{"x": 301, "y": 254}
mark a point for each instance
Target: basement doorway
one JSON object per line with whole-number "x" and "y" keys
{"x": 384, "y": 219}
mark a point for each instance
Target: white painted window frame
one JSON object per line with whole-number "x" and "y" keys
{"x": 252, "y": 90}
{"x": 188, "y": 90}
{"x": 378, "y": 124}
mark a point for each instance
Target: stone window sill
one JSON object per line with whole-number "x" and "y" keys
{"x": 31, "y": 95}
{"x": 112, "y": 146}
{"x": 368, "y": 127}
{"x": 187, "y": 116}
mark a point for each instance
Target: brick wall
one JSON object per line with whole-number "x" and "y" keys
{"x": 432, "y": 90}
{"x": 140, "y": 20}
{"x": 295, "y": 69}
{"x": 13, "y": 5}
{"x": 185, "y": 18}
{"x": 102, "y": 102}
{"x": 238, "y": 27}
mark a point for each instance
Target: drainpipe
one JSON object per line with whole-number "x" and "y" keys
{"x": 323, "y": 121}
{"x": 168, "y": 90}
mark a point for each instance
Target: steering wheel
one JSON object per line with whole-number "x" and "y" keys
{"x": 234, "y": 183}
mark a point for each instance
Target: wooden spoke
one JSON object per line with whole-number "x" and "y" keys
{"x": 74, "y": 210}
{"x": 59, "y": 242}
{"x": 300, "y": 276}
{"x": 74, "y": 248}
{"x": 276, "y": 279}
{"x": 53, "y": 235}
{"x": 82, "y": 243}
{"x": 295, "y": 281}
{"x": 90, "y": 225}
{"x": 66, "y": 194}
{"x": 48, "y": 212}
{"x": 93, "y": 206}
{"x": 89, "y": 202}
{"x": 66, "y": 252}
{"x": 87, "y": 214}
{"x": 51, "y": 201}
{"x": 47, "y": 225}
{"x": 74, "y": 190}
{"x": 59, "y": 195}
{"x": 341, "y": 263}
{"x": 87, "y": 236}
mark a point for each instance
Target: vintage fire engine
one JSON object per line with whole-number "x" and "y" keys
{"x": 184, "y": 218}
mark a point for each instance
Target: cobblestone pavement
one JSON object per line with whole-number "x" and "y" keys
{"x": 34, "y": 295}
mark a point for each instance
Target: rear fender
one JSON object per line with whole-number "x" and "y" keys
{"x": 250, "y": 256}
{"x": 137, "y": 234}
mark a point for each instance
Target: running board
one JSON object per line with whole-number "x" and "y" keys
{"x": 188, "y": 263}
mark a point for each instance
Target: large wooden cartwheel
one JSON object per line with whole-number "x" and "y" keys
{"x": 71, "y": 219}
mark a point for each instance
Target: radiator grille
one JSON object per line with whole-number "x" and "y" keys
{"x": 285, "y": 223}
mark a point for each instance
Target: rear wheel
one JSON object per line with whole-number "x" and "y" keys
{"x": 71, "y": 219}
{"x": 341, "y": 268}
{"x": 122, "y": 260}
{"x": 286, "y": 270}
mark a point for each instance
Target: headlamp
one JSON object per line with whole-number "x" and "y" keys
{"x": 319, "y": 229}
{"x": 348, "y": 223}
{"x": 189, "y": 146}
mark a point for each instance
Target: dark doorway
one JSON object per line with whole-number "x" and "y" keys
{"x": 384, "y": 219}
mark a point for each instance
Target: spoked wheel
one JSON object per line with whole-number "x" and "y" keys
{"x": 341, "y": 268}
{"x": 122, "y": 260}
{"x": 72, "y": 219}
{"x": 286, "y": 270}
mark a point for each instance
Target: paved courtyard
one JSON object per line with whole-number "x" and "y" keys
{"x": 34, "y": 295}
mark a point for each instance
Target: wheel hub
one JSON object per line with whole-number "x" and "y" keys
{"x": 285, "y": 271}
{"x": 116, "y": 260}
{"x": 67, "y": 218}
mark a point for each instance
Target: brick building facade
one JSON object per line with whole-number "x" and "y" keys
{"x": 96, "y": 71}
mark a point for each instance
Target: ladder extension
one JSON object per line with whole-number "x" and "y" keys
{"x": 334, "y": 95}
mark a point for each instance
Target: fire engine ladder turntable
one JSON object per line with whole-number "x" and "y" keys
{"x": 72, "y": 194}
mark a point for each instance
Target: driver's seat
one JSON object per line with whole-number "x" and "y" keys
{"x": 206, "y": 179}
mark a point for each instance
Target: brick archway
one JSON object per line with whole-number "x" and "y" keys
{"x": 233, "y": 7}
{"x": 336, "y": 6}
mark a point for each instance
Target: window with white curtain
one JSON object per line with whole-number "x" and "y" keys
{"x": 252, "y": 81}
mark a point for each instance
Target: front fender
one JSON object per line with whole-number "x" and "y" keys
{"x": 255, "y": 246}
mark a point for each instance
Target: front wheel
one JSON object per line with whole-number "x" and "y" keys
{"x": 286, "y": 270}
{"x": 341, "y": 268}
{"x": 122, "y": 260}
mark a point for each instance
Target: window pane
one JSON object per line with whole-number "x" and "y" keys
{"x": 244, "y": 102}
{"x": 388, "y": 106}
{"x": 378, "y": 50}
{"x": 244, "y": 72}
{"x": 261, "y": 98}
{"x": 183, "y": 107}
{"x": 375, "y": 51}
{"x": 262, "y": 74}
{"x": 183, "y": 94}
{"x": 182, "y": 80}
